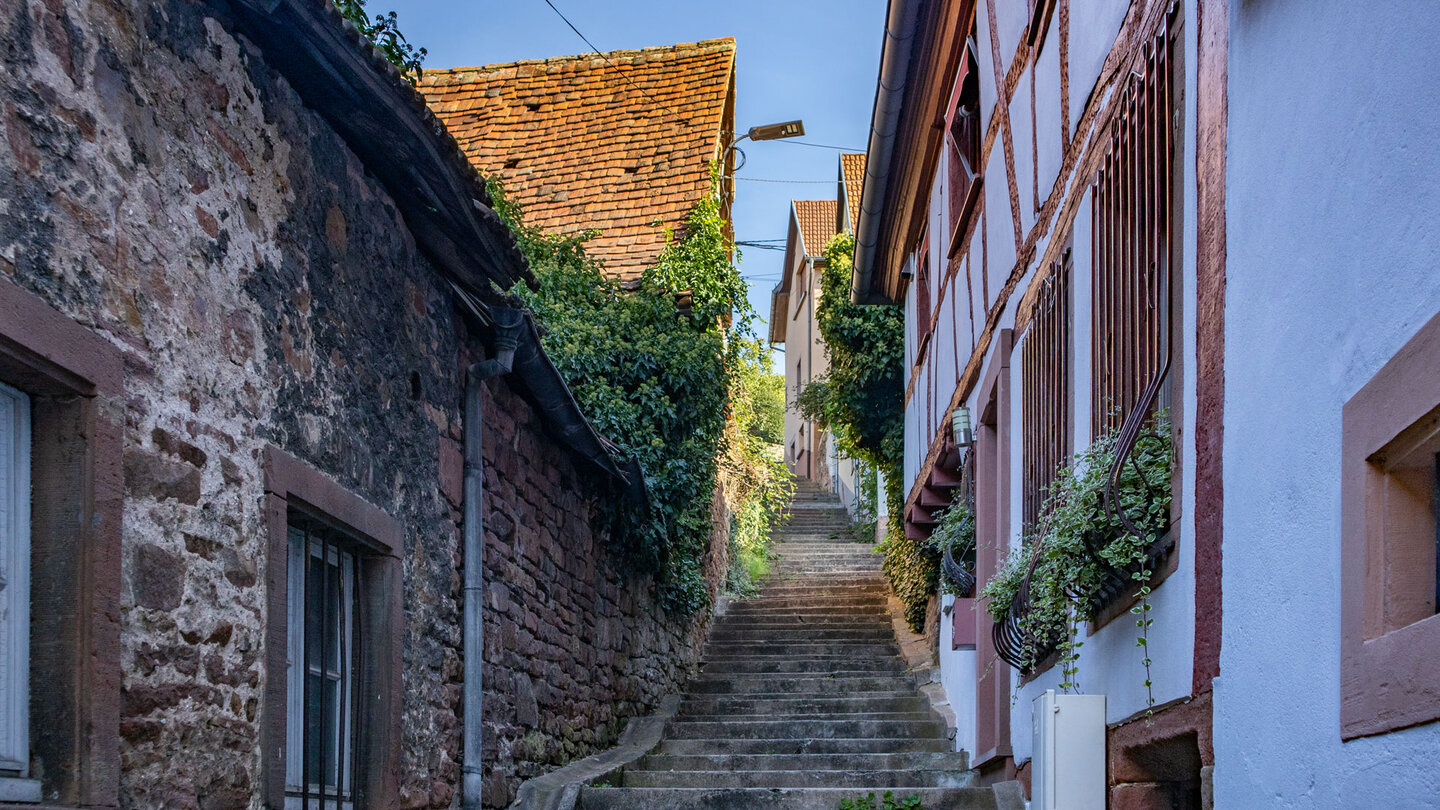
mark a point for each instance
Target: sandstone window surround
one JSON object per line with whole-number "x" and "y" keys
{"x": 300, "y": 497}
{"x": 74, "y": 382}
{"x": 1390, "y": 633}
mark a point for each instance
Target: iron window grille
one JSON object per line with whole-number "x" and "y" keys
{"x": 1045, "y": 393}
{"x": 1133, "y": 236}
{"x": 323, "y": 643}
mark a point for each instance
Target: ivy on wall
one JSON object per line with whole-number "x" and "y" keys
{"x": 860, "y": 401}
{"x": 658, "y": 380}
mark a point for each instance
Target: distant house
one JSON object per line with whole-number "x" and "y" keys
{"x": 621, "y": 142}
{"x": 792, "y": 323}
{"x": 849, "y": 183}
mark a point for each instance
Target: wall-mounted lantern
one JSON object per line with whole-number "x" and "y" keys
{"x": 960, "y": 424}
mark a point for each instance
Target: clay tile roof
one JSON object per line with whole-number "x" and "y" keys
{"x": 852, "y": 174}
{"x": 816, "y": 219}
{"x": 618, "y": 142}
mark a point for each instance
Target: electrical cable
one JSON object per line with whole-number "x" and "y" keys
{"x": 616, "y": 67}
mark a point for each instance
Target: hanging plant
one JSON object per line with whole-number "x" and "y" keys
{"x": 1068, "y": 566}
{"x": 953, "y": 539}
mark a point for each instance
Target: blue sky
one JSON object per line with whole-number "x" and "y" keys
{"x": 811, "y": 59}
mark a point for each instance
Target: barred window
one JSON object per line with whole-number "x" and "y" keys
{"x": 321, "y": 727}
{"x": 1045, "y": 394}
{"x": 1133, "y": 237}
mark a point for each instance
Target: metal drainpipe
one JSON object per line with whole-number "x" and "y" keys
{"x": 507, "y": 331}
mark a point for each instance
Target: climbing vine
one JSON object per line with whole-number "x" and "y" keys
{"x": 1079, "y": 545}
{"x": 860, "y": 401}
{"x": 657, "y": 378}
{"x": 384, "y": 32}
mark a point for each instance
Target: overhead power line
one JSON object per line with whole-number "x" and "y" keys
{"x": 777, "y": 180}
{"x": 816, "y": 145}
{"x": 614, "y": 66}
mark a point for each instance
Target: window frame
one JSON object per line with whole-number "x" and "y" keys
{"x": 15, "y": 776}
{"x": 345, "y": 553}
{"x": 75, "y": 380}
{"x": 1387, "y": 675}
{"x": 292, "y": 488}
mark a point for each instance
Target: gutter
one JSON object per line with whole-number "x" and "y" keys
{"x": 884, "y": 123}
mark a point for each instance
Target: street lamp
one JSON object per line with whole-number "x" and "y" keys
{"x": 765, "y": 132}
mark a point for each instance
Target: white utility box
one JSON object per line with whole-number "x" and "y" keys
{"x": 1067, "y": 766}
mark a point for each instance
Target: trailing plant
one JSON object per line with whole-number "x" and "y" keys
{"x": 384, "y": 32}
{"x": 1080, "y": 545}
{"x": 657, "y": 380}
{"x": 888, "y": 802}
{"x": 954, "y": 531}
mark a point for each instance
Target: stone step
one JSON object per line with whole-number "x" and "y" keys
{"x": 593, "y": 798}
{"x": 780, "y": 729}
{"x": 797, "y": 779}
{"x": 781, "y": 621}
{"x": 741, "y": 609}
{"x": 914, "y": 761}
{"x": 838, "y": 667}
{"x": 827, "y": 587}
{"x": 849, "y": 704}
{"x": 799, "y": 633}
{"x": 794, "y": 745}
{"x": 862, "y": 598}
{"x": 801, "y": 649}
{"x": 832, "y": 683}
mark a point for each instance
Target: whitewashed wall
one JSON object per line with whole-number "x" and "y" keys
{"x": 1333, "y": 263}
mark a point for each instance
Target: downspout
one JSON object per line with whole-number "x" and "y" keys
{"x": 900, "y": 23}
{"x": 507, "y": 336}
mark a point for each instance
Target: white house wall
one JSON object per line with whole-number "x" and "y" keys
{"x": 1333, "y": 264}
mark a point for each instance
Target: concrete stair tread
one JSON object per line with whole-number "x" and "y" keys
{"x": 916, "y": 760}
{"x": 889, "y": 778}
{"x": 966, "y": 798}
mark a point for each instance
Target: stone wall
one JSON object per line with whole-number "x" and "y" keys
{"x": 571, "y": 650}
{"x": 162, "y": 187}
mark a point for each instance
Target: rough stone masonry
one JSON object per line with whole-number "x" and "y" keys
{"x": 164, "y": 189}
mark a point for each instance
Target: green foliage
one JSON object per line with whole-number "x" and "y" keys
{"x": 888, "y": 802}
{"x": 763, "y": 394}
{"x": 955, "y": 530}
{"x": 863, "y": 397}
{"x": 1079, "y": 544}
{"x": 860, "y": 401}
{"x": 759, "y": 485}
{"x": 384, "y": 32}
{"x": 657, "y": 382}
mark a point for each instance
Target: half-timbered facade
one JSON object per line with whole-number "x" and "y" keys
{"x": 1048, "y": 195}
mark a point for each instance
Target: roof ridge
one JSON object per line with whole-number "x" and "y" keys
{"x": 717, "y": 44}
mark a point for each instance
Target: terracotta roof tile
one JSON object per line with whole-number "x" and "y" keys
{"x": 578, "y": 146}
{"x": 852, "y": 174}
{"x": 816, "y": 219}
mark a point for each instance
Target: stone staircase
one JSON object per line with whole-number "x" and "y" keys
{"x": 802, "y": 699}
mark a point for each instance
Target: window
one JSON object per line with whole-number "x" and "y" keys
{"x": 15, "y": 598}
{"x": 60, "y": 557}
{"x": 1133, "y": 238}
{"x": 923, "y": 310}
{"x": 962, "y": 141}
{"x": 1390, "y": 544}
{"x": 332, "y": 722}
{"x": 1045, "y": 390}
{"x": 321, "y": 725}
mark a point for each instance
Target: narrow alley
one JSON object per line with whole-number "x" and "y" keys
{"x": 803, "y": 699}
